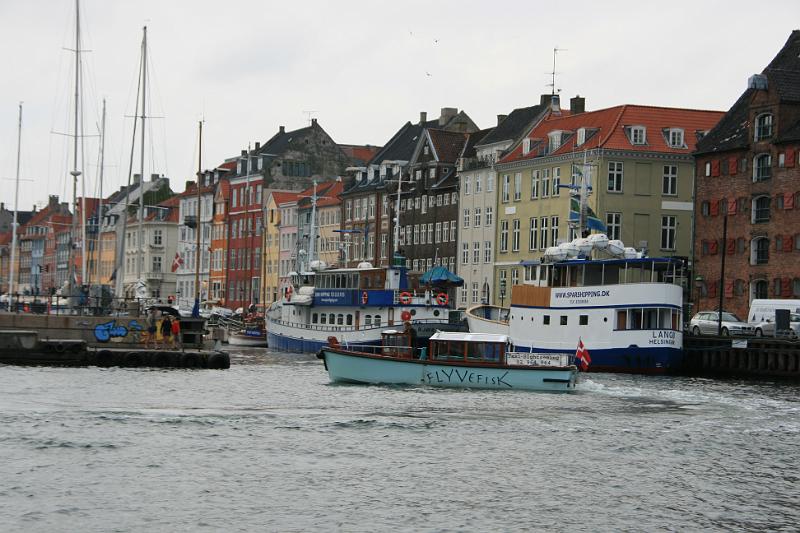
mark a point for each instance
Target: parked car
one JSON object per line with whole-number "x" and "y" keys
{"x": 707, "y": 323}
{"x": 762, "y": 317}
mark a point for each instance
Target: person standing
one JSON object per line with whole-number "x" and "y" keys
{"x": 152, "y": 328}
{"x": 176, "y": 334}
{"x": 166, "y": 330}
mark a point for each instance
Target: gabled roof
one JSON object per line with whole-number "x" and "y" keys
{"x": 473, "y": 140}
{"x": 401, "y": 146}
{"x": 281, "y": 140}
{"x": 514, "y": 125}
{"x": 610, "y": 130}
{"x": 359, "y": 154}
{"x": 783, "y": 72}
{"x": 284, "y": 197}
{"x": 327, "y": 191}
{"x": 448, "y": 145}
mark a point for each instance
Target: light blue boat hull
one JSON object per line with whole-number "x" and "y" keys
{"x": 352, "y": 368}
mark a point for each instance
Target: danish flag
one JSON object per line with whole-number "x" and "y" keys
{"x": 582, "y": 356}
{"x": 177, "y": 262}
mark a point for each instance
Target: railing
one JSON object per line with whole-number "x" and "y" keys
{"x": 82, "y": 305}
{"x": 352, "y": 328}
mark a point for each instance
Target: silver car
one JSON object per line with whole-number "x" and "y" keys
{"x": 707, "y": 323}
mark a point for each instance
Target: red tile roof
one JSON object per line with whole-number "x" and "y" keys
{"x": 448, "y": 144}
{"x": 283, "y": 197}
{"x": 328, "y": 191}
{"x": 609, "y": 130}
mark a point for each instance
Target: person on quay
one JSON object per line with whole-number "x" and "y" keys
{"x": 176, "y": 334}
{"x": 152, "y": 328}
{"x": 166, "y": 330}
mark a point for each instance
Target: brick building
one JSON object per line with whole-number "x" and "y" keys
{"x": 747, "y": 170}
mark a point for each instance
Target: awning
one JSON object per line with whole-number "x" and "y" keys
{"x": 439, "y": 276}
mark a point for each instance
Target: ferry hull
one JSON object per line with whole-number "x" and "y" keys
{"x": 630, "y": 360}
{"x": 358, "y": 368}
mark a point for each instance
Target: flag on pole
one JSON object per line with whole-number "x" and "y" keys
{"x": 582, "y": 356}
{"x": 177, "y": 262}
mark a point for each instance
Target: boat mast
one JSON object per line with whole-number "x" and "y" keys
{"x": 141, "y": 160}
{"x": 198, "y": 226}
{"x": 313, "y": 230}
{"x": 75, "y": 172}
{"x": 13, "y": 265}
{"x": 583, "y": 197}
{"x": 99, "y": 226}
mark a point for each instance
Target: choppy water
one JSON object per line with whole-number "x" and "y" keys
{"x": 270, "y": 445}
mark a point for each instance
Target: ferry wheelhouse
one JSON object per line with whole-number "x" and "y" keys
{"x": 355, "y": 305}
{"x": 627, "y": 311}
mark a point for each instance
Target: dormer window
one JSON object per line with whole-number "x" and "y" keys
{"x": 239, "y": 167}
{"x": 675, "y": 137}
{"x": 526, "y": 146}
{"x": 581, "y": 136}
{"x": 554, "y": 140}
{"x": 763, "y": 126}
{"x": 425, "y": 150}
{"x": 638, "y": 135}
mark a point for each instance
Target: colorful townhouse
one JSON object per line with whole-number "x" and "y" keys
{"x": 638, "y": 160}
{"x": 220, "y": 233}
{"x": 478, "y": 199}
{"x": 748, "y": 175}
{"x": 328, "y": 222}
{"x": 193, "y": 263}
{"x": 272, "y": 243}
{"x": 287, "y": 238}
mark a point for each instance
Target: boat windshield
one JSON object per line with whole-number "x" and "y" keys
{"x": 452, "y": 350}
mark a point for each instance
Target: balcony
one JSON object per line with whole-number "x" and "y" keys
{"x": 155, "y": 276}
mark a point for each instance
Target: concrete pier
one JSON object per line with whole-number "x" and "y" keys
{"x": 746, "y": 357}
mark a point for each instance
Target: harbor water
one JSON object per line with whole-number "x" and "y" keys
{"x": 271, "y": 445}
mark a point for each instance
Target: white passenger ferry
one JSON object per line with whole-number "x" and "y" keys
{"x": 354, "y": 305}
{"x": 626, "y": 309}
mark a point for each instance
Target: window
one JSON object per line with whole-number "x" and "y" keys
{"x": 515, "y": 236}
{"x": 535, "y": 184}
{"x": 554, "y": 230}
{"x": 489, "y": 213}
{"x": 454, "y": 198}
{"x": 415, "y": 233}
{"x": 615, "y": 176}
{"x": 675, "y": 137}
{"x": 668, "y": 228}
{"x": 670, "y": 180}
{"x": 546, "y": 183}
{"x": 761, "y": 209}
{"x": 424, "y": 204}
{"x": 157, "y": 237}
{"x": 445, "y": 231}
{"x": 474, "y": 292}
{"x": 556, "y": 180}
{"x": 581, "y": 138}
{"x": 463, "y": 295}
{"x": 452, "y": 231}
{"x": 438, "y": 232}
{"x": 760, "y": 251}
{"x": 490, "y": 183}
{"x": 614, "y": 226}
{"x": 466, "y": 217}
{"x": 583, "y": 320}
{"x": 762, "y": 170}
{"x": 638, "y": 135}
{"x": 416, "y": 265}
{"x": 554, "y": 140}
{"x": 487, "y": 252}
{"x": 371, "y": 207}
{"x": 467, "y": 185}
{"x": 546, "y": 320}
{"x": 543, "y": 232}
{"x": 505, "y": 192}
{"x": 477, "y": 217}
{"x": 476, "y": 252}
{"x": 763, "y": 127}
{"x": 430, "y": 233}
{"x": 517, "y": 186}
{"x": 445, "y": 199}
{"x": 156, "y": 264}
{"x": 478, "y": 184}
{"x": 514, "y": 276}
{"x": 503, "y": 235}
{"x": 533, "y": 234}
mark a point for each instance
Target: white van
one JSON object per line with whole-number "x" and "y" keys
{"x": 762, "y": 316}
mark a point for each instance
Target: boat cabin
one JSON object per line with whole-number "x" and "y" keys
{"x": 397, "y": 344}
{"x": 468, "y": 347}
{"x": 583, "y": 273}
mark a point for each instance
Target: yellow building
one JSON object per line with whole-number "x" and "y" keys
{"x": 271, "y": 243}
{"x": 639, "y": 164}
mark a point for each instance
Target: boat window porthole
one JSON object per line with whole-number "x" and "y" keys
{"x": 605, "y": 319}
{"x": 436, "y": 312}
{"x": 413, "y": 312}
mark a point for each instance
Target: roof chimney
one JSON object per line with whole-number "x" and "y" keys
{"x": 282, "y": 129}
{"x": 545, "y": 99}
{"x": 423, "y": 117}
{"x": 757, "y": 81}
{"x": 154, "y": 177}
{"x": 258, "y": 146}
{"x": 501, "y": 118}
{"x": 555, "y": 104}
{"x": 244, "y": 153}
{"x": 137, "y": 179}
{"x": 446, "y": 114}
{"x": 189, "y": 185}
{"x": 577, "y": 104}
{"x": 313, "y": 122}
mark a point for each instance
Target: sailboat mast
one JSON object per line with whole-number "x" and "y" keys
{"x": 13, "y": 265}
{"x": 141, "y": 159}
{"x": 99, "y": 247}
{"x": 75, "y": 172}
{"x": 312, "y": 250}
{"x": 198, "y": 226}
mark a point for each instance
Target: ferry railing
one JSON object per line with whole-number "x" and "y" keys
{"x": 352, "y": 328}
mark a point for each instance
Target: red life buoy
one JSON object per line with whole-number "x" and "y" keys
{"x": 442, "y": 298}
{"x": 405, "y": 298}
{"x": 406, "y": 316}
{"x": 364, "y": 297}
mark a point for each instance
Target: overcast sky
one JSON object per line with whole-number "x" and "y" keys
{"x": 363, "y": 69}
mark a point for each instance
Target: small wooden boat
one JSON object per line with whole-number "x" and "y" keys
{"x": 254, "y": 333}
{"x": 452, "y": 359}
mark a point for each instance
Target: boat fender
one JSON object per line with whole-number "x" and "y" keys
{"x": 442, "y": 298}
{"x": 333, "y": 342}
{"x": 191, "y": 360}
{"x": 59, "y": 347}
{"x": 161, "y": 359}
{"x": 405, "y": 316}
{"x": 104, "y": 358}
{"x": 219, "y": 361}
{"x": 405, "y": 298}
{"x": 132, "y": 359}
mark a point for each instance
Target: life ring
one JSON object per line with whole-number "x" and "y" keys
{"x": 442, "y": 298}
{"x": 405, "y": 298}
{"x": 405, "y": 316}
{"x": 364, "y": 297}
